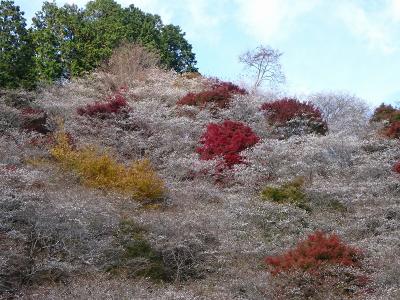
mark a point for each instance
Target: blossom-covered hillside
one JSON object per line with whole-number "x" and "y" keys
{"x": 169, "y": 186}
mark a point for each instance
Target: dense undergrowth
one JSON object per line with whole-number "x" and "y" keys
{"x": 296, "y": 181}
{"x": 226, "y": 140}
{"x": 114, "y": 105}
{"x": 391, "y": 117}
{"x": 218, "y": 94}
{"x": 298, "y": 117}
{"x": 102, "y": 171}
{"x": 319, "y": 249}
{"x": 290, "y": 193}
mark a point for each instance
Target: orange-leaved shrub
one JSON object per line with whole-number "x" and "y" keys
{"x": 219, "y": 94}
{"x": 104, "y": 172}
{"x": 317, "y": 250}
{"x": 226, "y": 140}
{"x": 297, "y": 116}
{"x": 115, "y": 104}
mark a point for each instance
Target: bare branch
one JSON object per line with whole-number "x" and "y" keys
{"x": 264, "y": 62}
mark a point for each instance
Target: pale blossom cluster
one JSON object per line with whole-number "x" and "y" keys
{"x": 212, "y": 231}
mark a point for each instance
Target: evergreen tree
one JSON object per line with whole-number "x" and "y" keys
{"x": 104, "y": 30}
{"x": 47, "y": 42}
{"x": 59, "y": 35}
{"x": 70, "y": 41}
{"x": 176, "y": 52}
{"x": 16, "y": 51}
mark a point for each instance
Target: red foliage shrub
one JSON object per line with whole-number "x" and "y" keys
{"x": 290, "y": 116}
{"x": 115, "y": 104}
{"x": 219, "y": 94}
{"x": 286, "y": 109}
{"x": 392, "y": 116}
{"x": 319, "y": 249}
{"x": 226, "y": 140}
{"x": 392, "y": 130}
{"x": 396, "y": 167}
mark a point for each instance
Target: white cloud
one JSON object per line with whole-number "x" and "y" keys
{"x": 204, "y": 20}
{"x": 152, "y": 6}
{"x": 394, "y": 9}
{"x": 77, "y": 2}
{"x": 200, "y": 19}
{"x": 370, "y": 26}
{"x": 269, "y": 19}
{"x": 158, "y": 7}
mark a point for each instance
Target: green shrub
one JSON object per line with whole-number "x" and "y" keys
{"x": 288, "y": 193}
{"x": 133, "y": 255}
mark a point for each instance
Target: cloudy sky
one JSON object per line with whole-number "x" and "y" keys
{"x": 346, "y": 45}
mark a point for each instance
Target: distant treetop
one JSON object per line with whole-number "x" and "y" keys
{"x": 70, "y": 41}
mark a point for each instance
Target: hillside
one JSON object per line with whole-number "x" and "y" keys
{"x": 123, "y": 190}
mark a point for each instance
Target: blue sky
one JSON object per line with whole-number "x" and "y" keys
{"x": 328, "y": 45}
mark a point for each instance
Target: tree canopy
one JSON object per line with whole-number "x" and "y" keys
{"x": 16, "y": 51}
{"x": 69, "y": 41}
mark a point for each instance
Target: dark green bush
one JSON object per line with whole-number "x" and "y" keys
{"x": 133, "y": 254}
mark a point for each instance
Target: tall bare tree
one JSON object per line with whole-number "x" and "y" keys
{"x": 264, "y": 63}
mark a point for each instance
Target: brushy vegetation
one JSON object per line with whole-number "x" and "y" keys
{"x": 219, "y": 95}
{"x": 104, "y": 172}
{"x": 116, "y": 103}
{"x": 393, "y": 130}
{"x": 60, "y": 239}
{"x": 130, "y": 61}
{"x": 226, "y": 140}
{"x": 320, "y": 266}
{"x": 33, "y": 119}
{"x": 386, "y": 113}
{"x": 134, "y": 255}
{"x": 328, "y": 283}
{"x": 391, "y": 118}
{"x": 318, "y": 249}
{"x": 288, "y": 193}
{"x": 294, "y": 117}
